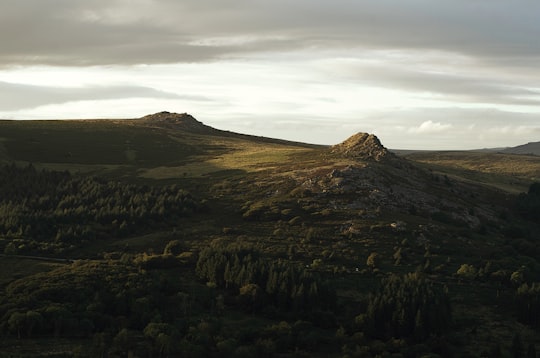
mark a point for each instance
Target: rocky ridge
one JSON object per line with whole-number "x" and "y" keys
{"x": 363, "y": 146}
{"x": 182, "y": 121}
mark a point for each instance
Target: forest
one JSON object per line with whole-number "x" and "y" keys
{"x": 50, "y": 212}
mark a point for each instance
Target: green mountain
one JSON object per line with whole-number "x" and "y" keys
{"x": 161, "y": 236}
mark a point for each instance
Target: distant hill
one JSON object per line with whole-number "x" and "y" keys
{"x": 529, "y": 148}
{"x": 126, "y": 145}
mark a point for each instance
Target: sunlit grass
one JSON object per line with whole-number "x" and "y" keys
{"x": 248, "y": 157}
{"x": 512, "y": 173}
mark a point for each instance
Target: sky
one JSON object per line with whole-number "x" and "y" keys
{"x": 419, "y": 74}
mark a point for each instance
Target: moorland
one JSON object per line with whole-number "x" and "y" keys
{"x": 163, "y": 237}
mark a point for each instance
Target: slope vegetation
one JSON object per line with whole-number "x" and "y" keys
{"x": 183, "y": 240}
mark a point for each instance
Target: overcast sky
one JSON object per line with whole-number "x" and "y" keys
{"x": 424, "y": 74}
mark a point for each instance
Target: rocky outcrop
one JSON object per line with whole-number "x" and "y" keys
{"x": 363, "y": 146}
{"x": 182, "y": 121}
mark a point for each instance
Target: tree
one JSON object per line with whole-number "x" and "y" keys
{"x": 100, "y": 344}
{"x": 373, "y": 260}
{"x": 161, "y": 336}
{"x": 165, "y": 343}
{"x": 517, "y": 348}
{"x": 528, "y": 304}
{"x": 33, "y": 320}
{"x": 531, "y": 351}
{"x": 251, "y": 297}
{"x": 174, "y": 248}
{"x": 398, "y": 256}
{"x": 467, "y": 271}
{"x": 517, "y": 277}
{"x": 407, "y": 307}
{"x": 17, "y": 322}
{"x": 529, "y": 204}
{"x": 123, "y": 341}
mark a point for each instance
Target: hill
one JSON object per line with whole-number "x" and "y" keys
{"x": 161, "y": 236}
{"x": 532, "y": 148}
{"x": 161, "y": 145}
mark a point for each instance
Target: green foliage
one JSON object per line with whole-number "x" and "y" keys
{"x": 531, "y": 351}
{"x": 174, "y": 247}
{"x": 517, "y": 349}
{"x": 467, "y": 271}
{"x": 286, "y": 285}
{"x": 162, "y": 337}
{"x": 89, "y": 297}
{"x": 407, "y": 307}
{"x": 373, "y": 260}
{"x": 398, "y": 256}
{"x": 49, "y": 211}
{"x": 529, "y": 204}
{"x": 528, "y": 304}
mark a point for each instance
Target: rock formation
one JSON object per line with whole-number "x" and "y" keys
{"x": 363, "y": 146}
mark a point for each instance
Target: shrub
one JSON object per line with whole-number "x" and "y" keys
{"x": 467, "y": 271}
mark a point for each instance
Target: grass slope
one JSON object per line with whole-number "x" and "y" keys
{"x": 508, "y": 172}
{"x": 139, "y": 147}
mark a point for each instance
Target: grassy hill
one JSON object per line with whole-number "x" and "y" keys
{"x": 183, "y": 240}
{"x": 124, "y": 147}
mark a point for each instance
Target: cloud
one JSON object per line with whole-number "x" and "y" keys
{"x": 514, "y": 130}
{"x": 20, "y": 96}
{"x": 437, "y": 80}
{"x": 75, "y": 32}
{"x": 430, "y": 127}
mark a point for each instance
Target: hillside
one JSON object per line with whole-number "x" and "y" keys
{"x": 502, "y": 171}
{"x": 161, "y": 236}
{"x": 532, "y": 148}
{"x": 161, "y": 145}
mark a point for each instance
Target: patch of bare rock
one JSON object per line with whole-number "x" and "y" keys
{"x": 363, "y": 146}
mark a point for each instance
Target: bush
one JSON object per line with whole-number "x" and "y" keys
{"x": 467, "y": 271}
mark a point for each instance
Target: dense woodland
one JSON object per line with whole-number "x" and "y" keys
{"x": 48, "y": 212}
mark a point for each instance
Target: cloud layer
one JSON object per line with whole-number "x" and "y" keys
{"x": 76, "y": 32}
{"x": 17, "y": 96}
{"x": 446, "y": 73}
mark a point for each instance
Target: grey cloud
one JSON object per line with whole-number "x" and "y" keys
{"x": 464, "y": 88}
{"x": 76, "y": 32}
{"x": 19, "y": 96}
